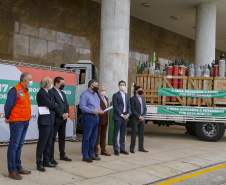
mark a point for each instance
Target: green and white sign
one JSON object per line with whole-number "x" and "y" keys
{"x": 9, "y": 77}
{"x": 5, "y": 86}
{"x": 192, "y": 93}
{"x": 192, "y": 111}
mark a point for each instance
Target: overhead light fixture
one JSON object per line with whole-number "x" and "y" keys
{"x": 146, "y": 4}
{"x": 173, "y": 17}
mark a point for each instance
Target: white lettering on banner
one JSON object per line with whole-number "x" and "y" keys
{"x": 3, "y": 96}
{"x": 2, "y": 115}
{"x": 32, "y": 98}
{"x": 195, "y": 91}
{"x": 3, "y": 87}
{"x": 33, "y": 89}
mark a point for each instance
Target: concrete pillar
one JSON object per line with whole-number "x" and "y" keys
{"x": 114, "y": 44}
{"x": 205, "y": 37}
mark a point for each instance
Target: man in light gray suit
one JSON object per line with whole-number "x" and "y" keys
{"x": 138, "y": 109}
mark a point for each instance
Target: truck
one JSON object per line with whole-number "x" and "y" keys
{"x": 205, "y": 126}
{"x": 200, "y": 105}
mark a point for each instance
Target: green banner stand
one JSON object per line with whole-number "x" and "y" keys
{"x": 110, "y": 126}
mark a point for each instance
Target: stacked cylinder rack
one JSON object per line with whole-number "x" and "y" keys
{"x": 178, "y": 75}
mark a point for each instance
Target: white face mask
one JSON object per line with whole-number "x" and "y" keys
{"x": 30, "y": 83}
{"x": 103, "y": 93}
{"x": 122, "y": 88}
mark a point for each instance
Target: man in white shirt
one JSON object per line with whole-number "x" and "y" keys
{"x": 121, "y": 105}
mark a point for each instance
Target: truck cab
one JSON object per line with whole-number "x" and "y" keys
{"x": 88, "y": 71}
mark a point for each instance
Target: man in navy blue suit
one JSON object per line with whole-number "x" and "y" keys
{"x": 121, "y": 105}
{"x": 45, "y": 125}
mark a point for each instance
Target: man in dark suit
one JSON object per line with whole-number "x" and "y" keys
{"x": 138, "y": 109}
{"x": 62, "y": 113}
{"x": 103, "y": 123}
{"x": 45, "y": 125}
{"x": 121, "y": 114}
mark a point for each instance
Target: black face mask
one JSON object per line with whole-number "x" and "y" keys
{"x": 95, "y": 89}
{"x": 140, "y": 92}
{"x": 61, "y": 86}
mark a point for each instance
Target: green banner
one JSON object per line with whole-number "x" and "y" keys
{"x": 192, "y": 111}
{"x": 192, "y": 93}
{"x": 5, "y": 86}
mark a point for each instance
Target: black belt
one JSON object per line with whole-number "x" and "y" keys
{"x": 90, "y": 114}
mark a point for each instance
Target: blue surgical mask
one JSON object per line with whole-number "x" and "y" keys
{"x": 30, "y": 84}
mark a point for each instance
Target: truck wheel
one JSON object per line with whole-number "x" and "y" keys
{"x": 209, "y": 131}
{"x": 191, "y": 128}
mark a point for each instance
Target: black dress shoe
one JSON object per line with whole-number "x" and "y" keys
{"x": 124, "y": 152}
{"x": 95, "y": 158}
{"x": 49, "y": 164}
{"x": 41, "y": 168}
{"x": 88, "y": 160}
{"x": 65, "y": 158}
{"x": 132, "y": 151}
{"x": 143, "y": 150}
{"x": 116, "y": 153}
{"x": 53, "y": 161}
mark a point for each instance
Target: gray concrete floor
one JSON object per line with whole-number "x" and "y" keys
{"x": 215, "y": 177}
{"x": 171, "y": 153}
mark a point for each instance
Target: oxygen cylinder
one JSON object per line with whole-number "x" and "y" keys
{"x": 157, "y": 72}
{"x": 206, "y": 74}
{"x": 164, "y": 71}
{"x": 181, "y": 73}
{"x": 215, "y": 70}
{"x": 175, "y": 81}
{"x": 186, "y": 71}
{"x": 151, "y": 70}
{"x": 138, "y": 68}
{"x": 191, "y": 70}
{"x": 198, "y": 71}
{"x": 221, "y": 68}
{"x": 211, "y": 72}
{"x": 202, "y": 70}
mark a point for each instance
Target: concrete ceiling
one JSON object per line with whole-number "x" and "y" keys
{"x": 160, "y": 11}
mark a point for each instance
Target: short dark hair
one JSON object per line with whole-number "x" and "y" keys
{"x": 91, "y": 82}
{"x": 136, "y": 88}
{"x": 24, "y": 76}
{"x": 57, "y": 80}
{"x": 121, "y": 82}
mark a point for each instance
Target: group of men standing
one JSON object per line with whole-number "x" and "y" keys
{"x": 53, "y": 114}
{"x": 93, "y": 102}
{"x": 49, "y": 125}
{"x": 18, "y": 114}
